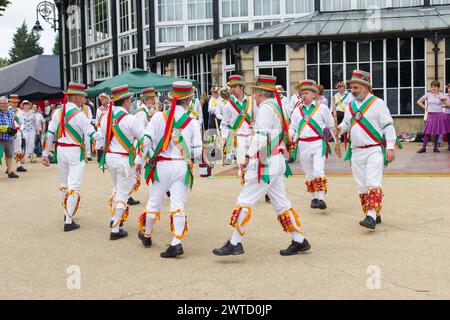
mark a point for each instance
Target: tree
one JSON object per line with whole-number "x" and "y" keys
{"x": 56, "y": 45}
{"x": 4, "y": 62}
{"x": 25, "y": 44}
{"x": 3, "y": 5}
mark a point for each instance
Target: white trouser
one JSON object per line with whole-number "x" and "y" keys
{"x": 122, "y": 175}
{"x": 71, "y": 171}
{"x": 70, "y": 168}
{"x": 18, "y": 142}
{"x": 30, "y": 137}
{"x": 172, "y": 175}
{"x": 242, "y": 148}
{"x": 253, "y": 190}
{"x": 311, "y": 159}
{"x": 367, "y": 168}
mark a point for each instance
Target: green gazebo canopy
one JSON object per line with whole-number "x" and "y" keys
{"x": 137, "y": 80}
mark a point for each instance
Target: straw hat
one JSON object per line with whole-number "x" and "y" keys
{"x": 76, "y": 89}
{"x": 181, "y": 90}
{"x": 148, "y": 93}
{"x": 264, "y": 82}
{"x": 236, "y": 80}
{"x": 120, "y": 93}
{"x": 362, "y": 77}
{"x": 308, "y": 85}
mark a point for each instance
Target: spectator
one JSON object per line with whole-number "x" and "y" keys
{"x": 7, "y": 138}
{"x": 47, "y": 108}
{"x": 40, "y": 123}
{"x": 28, "y": 127}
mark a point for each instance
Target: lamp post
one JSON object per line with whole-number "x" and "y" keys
{"x": 47, "y": 11}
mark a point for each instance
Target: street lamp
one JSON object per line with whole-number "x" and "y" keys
{"x": 47, "y": 10}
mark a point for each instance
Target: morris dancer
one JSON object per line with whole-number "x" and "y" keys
{"x": 373, "y": 139}
{"x": 18, "y": 151}
{"x": 267, "y": 168}
{"x": 68, "y": 127}
{"x": 102, "y": 111}
{"x": 147, "y": 108}
{"x": 171, "y": 141}
{"x": 120, "y": 129}
{"x": 238, "y": 119}
{"x": 307, "y": 129}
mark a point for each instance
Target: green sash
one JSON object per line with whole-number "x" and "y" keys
{"x": 308, "y": 120}
{"x": 242, "y": 110}
{"x": 358, "y": 118}
{"x": 79, "y": 139}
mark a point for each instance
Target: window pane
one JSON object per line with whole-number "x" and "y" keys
{"x": 377, "y": 74}
{"x": 350, "y": 68}
{"x": 351, "y": 51}
{"x": 312, "y": 54}
{"x": 279, "y": 52}
{"x": 405, "y": 49}
{"x": 419, "y": 74}
{"x": 325, "y": 78}
{"x": 313, "y": 73}
{"x": 418, "y": 93}
{"x": 364, "y": 67}
{"x": 364, "y": 51}
{"x": 391, "y": 49}
{"x": 447, "y": 71}
{"x": 338, "y": 74}
{"x": 392, "y": 74}
{"x": 265, "y": 71}
{"x": 405, "y": 74}
{"x": 280, "y": 73}
{"x": 405, "y": 101}
{"x": 419, "y": 48}
{"x": 377, "y": 50}
{"x": 338, "y": 54}
{"x": 392, "y": 100}
{"x": 379, "y": 93}
{"x": 324, "y": 52}
{"x": 265, "y": 53}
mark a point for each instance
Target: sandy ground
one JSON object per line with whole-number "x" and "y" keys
{"x": 410, "y": 250}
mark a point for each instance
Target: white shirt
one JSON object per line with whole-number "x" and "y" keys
{"x": 322, "y": 116}
{"x": 380, "y": 118}
{"x": 39, "y": 121}
{"x": 101, "y": 112}
{"x": 197, "y": 107}
{"x": 230, "y": 115}
{"x": 215, "y": 107}
{"x": 130, "y": 127}
{"x": 267, "y": 125}
{"x": 155, "y": 132}
{"x": 142, "y": 114}
{"x": 79, "y": 123}
{"x": 345, "y": 102}
{"x": 294, "y": 102}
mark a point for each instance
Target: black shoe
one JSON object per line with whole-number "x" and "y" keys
{"x": 322, "y": 205}
{"x": 422, "y": 150}
{"x": 291, "y": 160}
{"x": 70, "y": 227}
{"x": 168, "y": 194}
{"x": 21, "y": 169}
{"x": 132, "y": 202}
{"x": 368, "y": 223}
{"x": 229, "y": 250}
{"x": 147, "y": 242}
{"x": 315, "y": 203}
{"x": 12, "y": 175}
{"x": 436, "y": 150}
{"x": 118, "y": 235}
{"x": 111, "y": 224}
{"x": 268, "y": 199}
{"x": 378, "y": 220}
{"x": 296, "y": 248}
{"x": 173, "y": 251}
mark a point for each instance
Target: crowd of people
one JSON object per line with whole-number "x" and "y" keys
{"x": 263, "y": 132}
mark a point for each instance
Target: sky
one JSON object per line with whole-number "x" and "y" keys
{"x": 15, "y": 14}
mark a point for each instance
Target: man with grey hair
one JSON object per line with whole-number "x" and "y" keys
{"x": 7, "y": 133}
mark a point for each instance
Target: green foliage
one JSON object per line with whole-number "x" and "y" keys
{"x": 25, "y": 44}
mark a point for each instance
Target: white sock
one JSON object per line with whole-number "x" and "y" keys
{"x": 179, "y": 222}
{"x": 321, "y": 195}
{"x": 373, "y": 214}
{"x": 314, "y": 195}
{"x": 71, "y": 204}
{"x": 116, "y": 219}
{"x": 236, "y": 237}
{"x": 149, "y": 221}
{"x": 296, "y": 236}
{"x": 62, "y": 195}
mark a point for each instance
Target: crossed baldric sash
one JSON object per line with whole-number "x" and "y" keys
{"x": 308, "y": 121}
{"x": 244, "y": 116}
{"x": 359, "y": 119}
